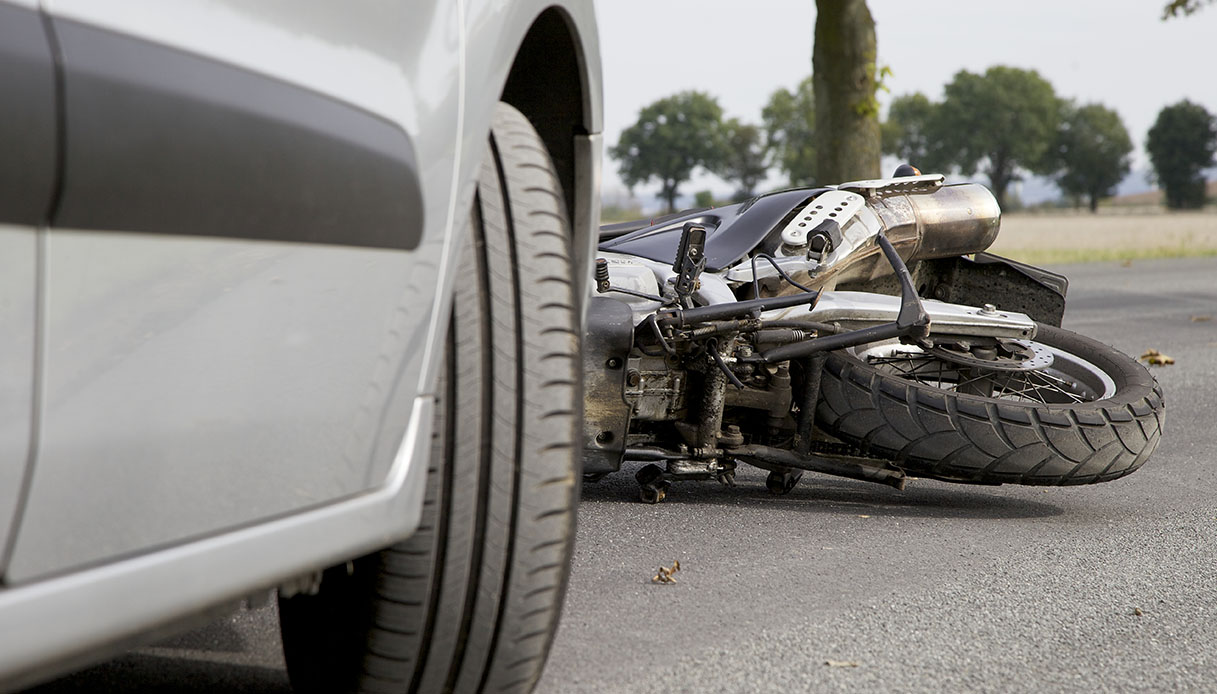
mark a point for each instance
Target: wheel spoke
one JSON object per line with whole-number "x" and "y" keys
{"x": 1058, "y": 385}
{"x": 975, "y": 379}
{"x": 1038, "y": 386}
{"x": 1015, "y": 393}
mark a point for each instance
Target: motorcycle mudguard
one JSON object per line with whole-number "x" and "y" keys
{"x": 1006, "y": 283}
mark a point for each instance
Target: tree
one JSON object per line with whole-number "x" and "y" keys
{"x": 1001, "y": 122}
{"x": 1181, "y": 144}
{"x": 745, "y": 158}
{"x": 913, "y": 133}
{"x": 672, "y": 137}
{"x": 845, "y": 79}
{"x": 789, "y": 119}
{"x": 1093, "y": 147}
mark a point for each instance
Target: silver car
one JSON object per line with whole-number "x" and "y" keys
{"x": 290, "y": 297}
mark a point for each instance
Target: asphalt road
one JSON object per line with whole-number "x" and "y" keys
{"x": 937, "y": 588}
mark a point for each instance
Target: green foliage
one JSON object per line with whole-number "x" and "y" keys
{"x": 1001, "y": 122}
{"x": 672, "y": 137}
{"x": 618, "y": 212}
{"x": 913, "y": 134}
{"x": 1093, "y": 149}
{"x": 789, "y": 120}
{"x": 1181, "y": 144}
{"x": 1174, "y": 8}
{"x": 745, "y": 158}
{"x": 869, "y": 107}
{"x": 704, "y": 198}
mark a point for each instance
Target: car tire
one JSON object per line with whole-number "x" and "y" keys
{"x": 470, "y": 602}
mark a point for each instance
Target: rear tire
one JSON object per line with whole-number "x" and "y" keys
{"x": 936, "y": 432}
{"x": 470, "y": 602}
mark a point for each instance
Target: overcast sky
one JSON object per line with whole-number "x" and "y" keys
{"x": 1115, "y": 52}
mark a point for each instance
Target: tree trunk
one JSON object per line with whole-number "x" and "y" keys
{"x": 669, "y": 194}
{"x": 1000, "y": 177}
{"x": 1094, "y": 203}
{"x": 843, "y": 74}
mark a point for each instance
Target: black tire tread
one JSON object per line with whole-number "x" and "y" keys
{"x": 959, "y": 437}
{"x": 470, "y": 602}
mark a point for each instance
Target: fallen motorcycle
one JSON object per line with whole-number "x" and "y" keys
{"x": 858, "y": 330}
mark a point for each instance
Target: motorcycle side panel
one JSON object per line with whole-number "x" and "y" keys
{"x": 606, "y": 414}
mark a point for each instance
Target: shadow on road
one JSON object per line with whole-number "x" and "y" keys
{"x": 216, "y": 637}
{"x": 157, "y": 674}
{"x": 827, "y": 495}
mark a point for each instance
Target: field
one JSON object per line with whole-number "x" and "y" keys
{"x": 1124, "y": 232}
{"x": 1083, "y": 237}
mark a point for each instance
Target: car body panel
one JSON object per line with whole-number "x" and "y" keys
{"x": 27, "y": 117}
{"x": 73, "y": 618}
{"x": 27, "y": 184}
{"x": 207, "y": 383}
{"x": 216, "y": 380}
{"x": 185, "y": 332}
{"x": 166, "y": 142}
{"x": 397, "y": 60}
{"x": 18, "y": 256}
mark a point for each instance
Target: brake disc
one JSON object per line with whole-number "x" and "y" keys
{"x": 1005, "y": 355}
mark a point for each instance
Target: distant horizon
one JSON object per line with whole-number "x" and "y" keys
{"x": 1042, "y": 191}
{"x": 1117, "y": 53}
{"x": 1033, "y": 192}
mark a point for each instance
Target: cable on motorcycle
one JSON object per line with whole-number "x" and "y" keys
{"x": 756, "y": 285}
{"x": 712, "y": 346}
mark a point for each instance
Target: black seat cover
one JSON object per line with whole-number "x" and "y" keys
{"x": 731, "y": 231}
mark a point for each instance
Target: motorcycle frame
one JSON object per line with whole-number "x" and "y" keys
{"x": 851, "y": 318}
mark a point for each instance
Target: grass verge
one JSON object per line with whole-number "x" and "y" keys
{"x": 1064, "y": 256}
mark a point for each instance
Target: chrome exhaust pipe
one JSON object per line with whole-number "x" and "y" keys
{"x": 949, "y": 221}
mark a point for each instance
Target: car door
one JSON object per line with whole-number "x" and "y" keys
{"x": 241, "y": 266}
{"x": 27, "y": 177}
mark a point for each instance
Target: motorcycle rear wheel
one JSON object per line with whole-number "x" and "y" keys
{"x": 1093, "y": 416}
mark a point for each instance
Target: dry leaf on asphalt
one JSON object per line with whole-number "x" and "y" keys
{"x": 665, "y": 574}
{"x": 1156, "y": 358}
{"x": 1201, "y": 319}
{"x": 1137, "y": 611}
{"x": 841, "y": 663}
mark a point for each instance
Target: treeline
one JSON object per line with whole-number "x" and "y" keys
{"x": 1003, "y": 124}
{"x": 684, "y": 132}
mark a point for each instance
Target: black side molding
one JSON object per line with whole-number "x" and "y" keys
{"x": 27, "y": 117}
{"x": 167, "y": 142}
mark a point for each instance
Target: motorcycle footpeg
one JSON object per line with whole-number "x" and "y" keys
{"x": 652, "y": 483}
{"x": 782, "y": 482}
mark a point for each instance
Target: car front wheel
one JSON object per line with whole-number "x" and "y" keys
{"x": 471, "y": 601}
